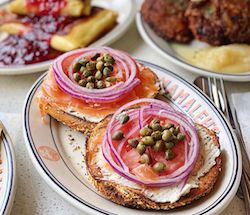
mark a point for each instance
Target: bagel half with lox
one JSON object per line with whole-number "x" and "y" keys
{"x": 150, "y": 156}
{"x": 84, "y": 86}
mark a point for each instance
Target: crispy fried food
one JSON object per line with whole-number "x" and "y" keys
{"x": 220, "y": 22}
{"x": 167, "y": 19}
{"x": 135, "y": 198}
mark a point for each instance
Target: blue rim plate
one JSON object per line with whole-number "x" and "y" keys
{"x": 55, "y": 156}
{"x": 8, "y": 174}
{"x": 164, "y": 48}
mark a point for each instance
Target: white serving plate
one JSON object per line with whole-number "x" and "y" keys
{"x": 126, "y": 13}
{"x": 164, "y": 48}
{"x": 60, "y": 160}
{"x": 7, "y": 174}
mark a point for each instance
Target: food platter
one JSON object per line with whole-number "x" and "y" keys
{"x": 7, "y": 174}
{"x": 58, "y": 152}
{"x": 126, "y": 12}
{"x": 165, "y": 49}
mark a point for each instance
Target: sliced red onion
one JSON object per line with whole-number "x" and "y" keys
{"x": 160, "y": 109}
{"x": 124, "y": 63}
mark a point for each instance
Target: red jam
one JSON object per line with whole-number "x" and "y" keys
{"x": 32, "y": 46}
{"x": 45, "y": 7}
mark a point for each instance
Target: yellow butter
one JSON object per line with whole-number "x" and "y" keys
{"x": 85, "y": 32}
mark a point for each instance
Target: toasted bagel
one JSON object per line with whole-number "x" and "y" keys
{"x": 135, "y": 197}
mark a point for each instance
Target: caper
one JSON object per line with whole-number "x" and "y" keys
{"x": 109, "y": 66}
{"x": 87, "y": 73}
{"x": 76, "y": 67}
{"x": 156, "y": 127}
{"x": 108, "y": 58}
{"x": 155, "y": 120}
{"x": 95, "y": 56}
{"x": 91, "y": 79}
{"x": 91, "y": 66}
{"x": 168, "y": 125}
{"x": 124, "y": 118}
{"x": 172, "y": 130}
{"x": 133, "y": 142}
{"x": 106, "y": 72}
{"x": 159, "y": 145}
{"x": 99, "y": 65}
{"x": 108, "y": 84}
{"x": 145, "y": 159}
{"x": 83, "y": 62}
{"x": 176, "y": 130}
{"x": 181, "y": 136}
{"x": 82, "y": 82}
{"x": 118, "y": 135}
{"x": 148, "y": 140}
{"x": 90, "y": 85}
{"x": 82, "y": 69}
{"x": 111, "y": 79}
{"x": 76, "y": 76}
{"x": 99, "y": 85}
{"x": 98, "y": 75}
{"x": 166, "y": 135}
{"x": 169, "y": 154}
{"x": 156, "y": 135}
{"x": 145, "y": 131}
{"x": 169, "y": 145}
{"x": 141, "y": 148}
{"x": 159, "y": 167}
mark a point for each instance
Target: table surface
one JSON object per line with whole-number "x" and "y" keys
{"x": 33, "y": 195}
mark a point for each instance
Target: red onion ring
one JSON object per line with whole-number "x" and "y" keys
{"x": 160, "y": 109}
{"x": 123, "y": 62}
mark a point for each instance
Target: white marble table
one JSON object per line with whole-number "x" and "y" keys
{"x": 33, "y": 195}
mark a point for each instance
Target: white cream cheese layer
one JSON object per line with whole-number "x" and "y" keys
{"x": 170, "y": 193}
{"x": 83, "y": 116}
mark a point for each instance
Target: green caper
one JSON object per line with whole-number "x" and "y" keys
{"x": 145, "y": 159}
{"x": 145, "y": 131}
{"x": 166, "y": 135}
{"x": 110, "y": 66}
{"x": 118, "y": 135}
{"x": 156, "y": 127}
{"x": 169, "y": 145}
{"x": 98, "y": 75}
{"x": 108, "y": 58}
{"x": 148, "y": 140}
{"x": 82, "y": 82}
{"x": 91, "y": 79}
{"x": 124, "y": 118}
{"x": 99, "y": 65}
{"x": 76, "y": 76}
{"x": 106, "y": 72}
{"x": 156, "y": 135}
{"x": 181, "y": 136}
{"x": 90, "y": 85}
{"x": 159, "y": 146}
{"x": 83, "y": 62}
{"x": 159, "y": 167}
{"x": 176, "y": 130}
{"x": 141, "y": 148}
{"x": 91, "y": 66}
{"x": 155, "y": 120}
{"x": 95, "y": 56}
{"x": 99, "y": 85}
{"x": 76, "y": 67}
{"x": 87, "y": 73}
{"x": 82, "y": 69}
{"x": 108, "y": 84}
{"x": 133, "y": 142}
{"x": 111, "y": 79}
{"x": 169, "y": 154}
{"x": 172, "y": 130}
{"x": 168, "y": 125}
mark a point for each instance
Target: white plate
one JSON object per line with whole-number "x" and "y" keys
{"x": 126, "y": 13}
{"x": 7, "y": 174}
{"x": 164, "y": 48}
{"x": 60, "y": 160}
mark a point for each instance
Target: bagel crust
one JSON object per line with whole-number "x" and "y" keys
{"x": 135, "y": 198}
